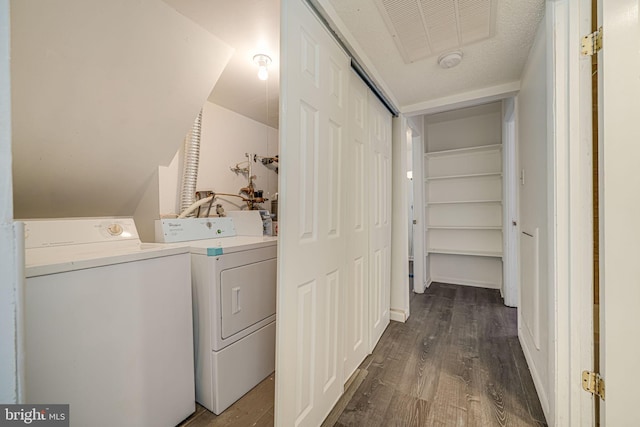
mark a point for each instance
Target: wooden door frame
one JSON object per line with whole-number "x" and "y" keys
{"x": 570, "y": 200}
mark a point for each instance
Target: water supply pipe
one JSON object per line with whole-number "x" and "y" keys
{"x": 190, "y": 209}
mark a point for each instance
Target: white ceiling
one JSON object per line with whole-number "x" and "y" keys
{"x": 421, "y": 28}
{"x": 494, "y": 56}
{"x": 491, "y": 62}
{"x": 250, "y": 27}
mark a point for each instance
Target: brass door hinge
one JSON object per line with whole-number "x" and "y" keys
{"x": 591, "y": 43}
{"x": 593, "y": 383}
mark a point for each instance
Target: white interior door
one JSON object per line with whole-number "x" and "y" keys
{"x": 311, "y": 257}
{"x": 379, "y": 219}
{"x": 357, "y": 229}
{"x": 620, "y": 204}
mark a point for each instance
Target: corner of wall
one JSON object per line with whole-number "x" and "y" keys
{"x": 148, "y": 210}
{"x": 399, "y": 302}
{"x": 398, "y": 315}
{"x": 11, "y": 237}
{"x": 11, "y": 269}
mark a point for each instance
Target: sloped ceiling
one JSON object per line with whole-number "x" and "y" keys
{"x": 250, "y": 27}
{"x": 492, "y": 61}
{"x": 102, "y": 93}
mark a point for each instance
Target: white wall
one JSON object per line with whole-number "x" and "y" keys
{"x": 421, "y": 278}
{"x": 483, "y": 272}
{"x": 468, "y": 127}
{"x": 510, "y": 181}
{"x": 226, "y": 137}
{"x": 103, "y": 93}
{"x": 399, "y": 303}
{"x": 535, "y": 316}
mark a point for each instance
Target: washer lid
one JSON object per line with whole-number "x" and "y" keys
{"x": 59, "y": 245}
{"x": 42, "y": 261}
{"x": 43, "y": 233}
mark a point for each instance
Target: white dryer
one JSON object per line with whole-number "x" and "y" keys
{"x": 234, "y": 305}
{"x": 108, "y": 323}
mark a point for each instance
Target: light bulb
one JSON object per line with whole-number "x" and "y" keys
{"x": 263, "y": 73}
{"x": 262, "y": 61}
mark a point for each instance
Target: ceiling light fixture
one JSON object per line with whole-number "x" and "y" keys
{"x": 262, "y": 61}
{"x": 450, "y": 59}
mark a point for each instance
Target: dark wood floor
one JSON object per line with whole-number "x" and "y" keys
{"x": 455, "y": 362}
{"x": 253, "y": 409}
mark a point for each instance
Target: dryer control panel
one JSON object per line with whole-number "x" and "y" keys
{"x": 183, "y": 230}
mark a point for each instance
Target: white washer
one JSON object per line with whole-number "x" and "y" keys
{"x": 108, "y": 323}
{"x": 234, "y": 306}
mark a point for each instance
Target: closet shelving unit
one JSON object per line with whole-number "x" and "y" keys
{"x": 463, "y": 201}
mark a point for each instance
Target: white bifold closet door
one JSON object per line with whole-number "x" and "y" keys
{"x": 379, "y": 219}
{"x": 357, "y": 325}
{"x": 335, "y": 215}
{"x": 368, "y": 224}
{"x": 312, "y": 248}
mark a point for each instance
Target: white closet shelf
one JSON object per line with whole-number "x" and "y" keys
{"x": 461, "y": 151}
{"x": 473, "y": 175}
{"x": 471, "y": 178}
{"x": 464, "y": 227}
{"x": 464, "y": 252}
{"x": 457, "y": 202}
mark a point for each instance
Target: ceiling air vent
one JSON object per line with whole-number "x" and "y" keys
{"x": 422, "y": 28}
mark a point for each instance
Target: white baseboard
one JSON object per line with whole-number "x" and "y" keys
{"x": 398, "y": 315}
{"x": 466, "y": 282}
{"x": 421, "y": 291}
{"x": 537, "y": 380}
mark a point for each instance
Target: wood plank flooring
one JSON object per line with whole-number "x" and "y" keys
{"x": 455, "y": 362}
{"x": 253, "y": 409}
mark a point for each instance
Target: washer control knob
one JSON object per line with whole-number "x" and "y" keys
{"x": 115, "y": 229}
